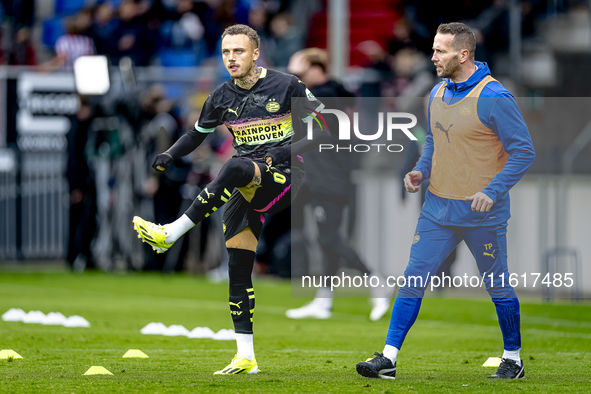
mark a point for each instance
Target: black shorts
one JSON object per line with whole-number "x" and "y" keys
{"x": 278, "y": 186}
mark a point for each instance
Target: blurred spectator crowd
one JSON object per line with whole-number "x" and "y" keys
{"x": 186, "y": 32}
{"x": 111, "y": 145}
{"x": 150, "y": 32}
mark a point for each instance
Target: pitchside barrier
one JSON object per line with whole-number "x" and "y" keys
{"x": 43, "y": 205}
{"x": 8, "y": 199}
{"x": 35, "y": 119}
{"x": 385, "y": 227}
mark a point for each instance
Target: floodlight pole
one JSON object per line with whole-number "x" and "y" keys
{"x": 338, "y": 37}
{"x": 515, "y": 39}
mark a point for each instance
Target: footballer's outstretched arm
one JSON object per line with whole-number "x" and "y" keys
{"x": 184, "y": 145}
{"x": 208, "y": 121}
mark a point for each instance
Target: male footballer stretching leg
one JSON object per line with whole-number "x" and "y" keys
{"x": 477, "y": 148}
{"x": 255, "y": 105}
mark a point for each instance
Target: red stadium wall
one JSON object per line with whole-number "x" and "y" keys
{"x": 370, "y": 20}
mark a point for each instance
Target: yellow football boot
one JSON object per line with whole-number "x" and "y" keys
{"x": 239, "y": 365}
{"x": 154, "y": 234}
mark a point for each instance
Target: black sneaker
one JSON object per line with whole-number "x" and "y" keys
{"x": 377, "y": 367}
{"x": 509, "y": 369}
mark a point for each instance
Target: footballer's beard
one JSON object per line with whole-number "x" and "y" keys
{"x": 247, "y": 71}
{"x": 450, "y": 69}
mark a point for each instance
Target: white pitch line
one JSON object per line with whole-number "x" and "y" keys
{"x": 232, "y": 350}
{"x": 269, "y": 309}
{"x": 566, "y": 334}
{"x": 535, "y": 331}
{"x": 186, "y": 302}
{"x": 177, "y": 302}
{"x": 548, "y": 321}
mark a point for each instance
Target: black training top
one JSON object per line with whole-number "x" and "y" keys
{"x": 259, "y": 118}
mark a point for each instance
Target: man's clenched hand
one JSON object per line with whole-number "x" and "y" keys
{"x": 162, "y": 161}
{"x": 411, "y": 181}
{"x": 480, "y": 202}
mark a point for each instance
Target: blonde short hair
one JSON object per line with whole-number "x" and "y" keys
{"x": 248, "y": 31}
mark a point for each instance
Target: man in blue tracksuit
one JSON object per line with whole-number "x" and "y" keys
{"x": 477, "y": 148}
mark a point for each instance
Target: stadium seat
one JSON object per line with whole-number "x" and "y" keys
{"x": 165, "y": 31}
{"x": 175, "y": 90}
{"x": 178, "y": 57}
{"x": 68, "y": 7}
{"x": 52, "y": 29}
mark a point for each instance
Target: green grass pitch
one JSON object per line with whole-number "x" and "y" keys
{"x": 443, "y": 353}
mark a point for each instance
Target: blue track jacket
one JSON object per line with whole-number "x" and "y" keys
{"x": 499, "y": 112}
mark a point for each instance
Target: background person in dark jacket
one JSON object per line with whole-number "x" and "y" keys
{"x": 328, "y": 188}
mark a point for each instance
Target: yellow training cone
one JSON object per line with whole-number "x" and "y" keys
{"x": 98, "y": 371}
{"x": 135, "y": 353}
{"x": 492, "y": 362}
{"x": 9, "y": 353}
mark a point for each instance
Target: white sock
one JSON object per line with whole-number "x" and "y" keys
{"x": 245, "y": 346}
{"x": 390, "y": 352}
{"x": 323, "y": 298}
{"x": 177, "y": 228}
{"x": 512, "y": 355}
